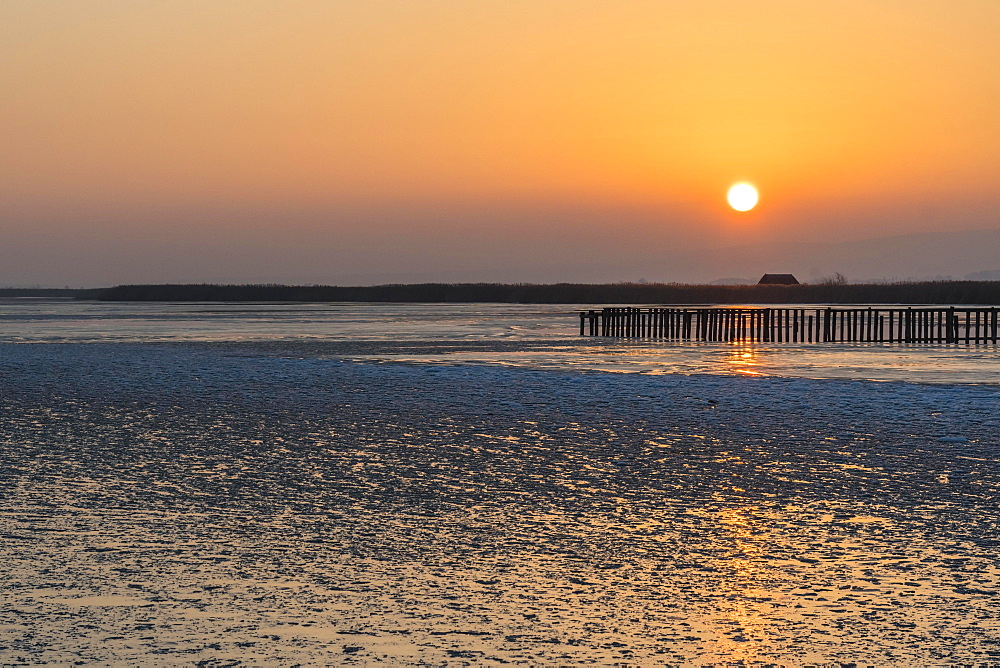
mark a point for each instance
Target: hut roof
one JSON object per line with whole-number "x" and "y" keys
{"x": 777, "y": 279}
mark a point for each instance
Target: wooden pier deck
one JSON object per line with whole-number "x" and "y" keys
{"x": 815, "y": 325}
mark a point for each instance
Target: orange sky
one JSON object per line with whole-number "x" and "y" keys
{"x": 349, "y": 141}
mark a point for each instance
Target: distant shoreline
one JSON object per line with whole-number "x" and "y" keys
{"x": 71, "y": 293}
{"x": 931, "y": 292}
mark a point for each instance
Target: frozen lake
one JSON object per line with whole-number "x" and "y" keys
{"x": 536, "y": 336}
{"x": 344, "y": 485}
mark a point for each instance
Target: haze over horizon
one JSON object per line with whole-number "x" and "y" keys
{"x": 353, "y": 143}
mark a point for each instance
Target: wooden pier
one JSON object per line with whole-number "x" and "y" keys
{"x": 796, "y": 325}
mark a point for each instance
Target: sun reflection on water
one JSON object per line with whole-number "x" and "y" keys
{"x": 744, "y": 359}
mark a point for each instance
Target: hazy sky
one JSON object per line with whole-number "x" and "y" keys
{"x": 369, "y": 141}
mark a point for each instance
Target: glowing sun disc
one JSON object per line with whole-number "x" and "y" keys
{"x": 742, "y": 197}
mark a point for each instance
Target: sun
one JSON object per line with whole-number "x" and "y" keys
{"x": 742, "y": 197}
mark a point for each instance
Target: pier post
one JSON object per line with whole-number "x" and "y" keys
{"x": 784, "y": 325}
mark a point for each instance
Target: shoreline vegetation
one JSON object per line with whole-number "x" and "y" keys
{"x": 52, "y": 293}
{"x": 931, "y": 292}
{"x": 927, "y": 292}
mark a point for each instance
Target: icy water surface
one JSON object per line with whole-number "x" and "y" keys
{"x": 214, "y": 504}
{"x": 526, "y": 335}
{"x": 367, "y": 485}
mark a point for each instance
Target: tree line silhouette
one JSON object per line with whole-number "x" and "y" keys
{"x": 934, "y": 292}
{"x": 8, "y": 293}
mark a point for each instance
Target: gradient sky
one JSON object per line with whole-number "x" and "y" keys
{"x": 372, "y": 141}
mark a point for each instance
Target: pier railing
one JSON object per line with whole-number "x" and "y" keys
{"x": 903, "y": 325}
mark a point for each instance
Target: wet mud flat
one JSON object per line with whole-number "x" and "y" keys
{"x": 180, "y": 505}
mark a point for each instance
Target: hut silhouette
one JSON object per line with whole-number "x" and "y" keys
{"x": 777, "y": 279}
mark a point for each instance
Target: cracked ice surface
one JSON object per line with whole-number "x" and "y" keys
{"x": 184, "y": 504}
